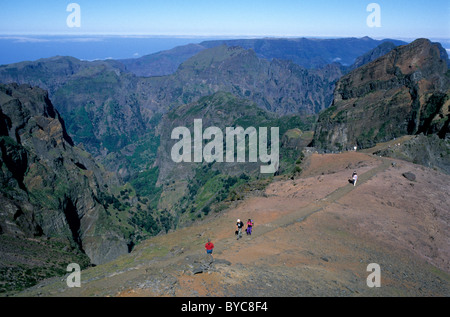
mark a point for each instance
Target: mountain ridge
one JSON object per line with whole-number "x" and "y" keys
{"x": 320, "y": 53}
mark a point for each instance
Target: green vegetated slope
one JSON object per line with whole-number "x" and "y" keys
{"x": 201, "y": 188}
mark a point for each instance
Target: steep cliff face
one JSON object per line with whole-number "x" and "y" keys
{"x": 407, "y": 91}
{"x": 50, "y": 187}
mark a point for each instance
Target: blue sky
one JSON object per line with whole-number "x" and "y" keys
{"x": 399, "y": 18}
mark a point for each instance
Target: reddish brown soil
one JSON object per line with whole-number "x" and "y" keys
{"x": 386, "y": 219}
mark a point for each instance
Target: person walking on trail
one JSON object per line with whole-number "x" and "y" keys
{"x": 249, "y": 227}
{"x": 239, "y": 226}
{"x": 209, "y": 246}
{"x": 355, "y": 178}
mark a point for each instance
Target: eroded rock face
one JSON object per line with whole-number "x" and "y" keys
{"x": 404, "y": 92}
{"x": 49, "y": 186}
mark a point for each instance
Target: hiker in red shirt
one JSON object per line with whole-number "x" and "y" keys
{"x": 209, "y": 246}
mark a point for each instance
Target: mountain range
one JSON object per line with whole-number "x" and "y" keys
{"x": 305, "y": 52}
{"x": 86, "y": 145}
{"x": 89, "y": 94}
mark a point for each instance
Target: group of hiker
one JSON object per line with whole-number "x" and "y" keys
{"x": 209, "y": 246}
{"x": 240, "y": 226}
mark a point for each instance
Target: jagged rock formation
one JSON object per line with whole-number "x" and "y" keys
{"x": 404, "y": 92}
{"x": 50, "y": 187}
{"x": 427, "y": 150}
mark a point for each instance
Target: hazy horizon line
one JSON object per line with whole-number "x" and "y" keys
{"x": 187, "y": 36}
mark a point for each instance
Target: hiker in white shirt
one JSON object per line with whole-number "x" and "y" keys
{"x": 355, "y": 178}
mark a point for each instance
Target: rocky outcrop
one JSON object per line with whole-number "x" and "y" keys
{"x": 50, "y": 187}
{"x": 404, "y": 92}
{"x": 427, "y": 150}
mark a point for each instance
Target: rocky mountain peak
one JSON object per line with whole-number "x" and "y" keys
{"x": 403, "y": 92}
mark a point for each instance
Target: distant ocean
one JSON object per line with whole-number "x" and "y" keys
{"x": 16, "y": 48}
